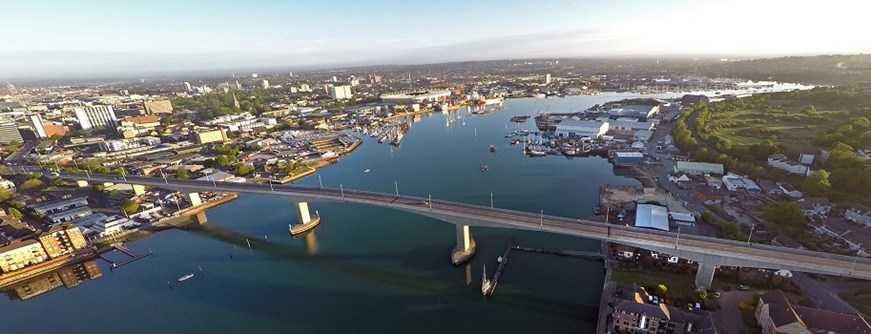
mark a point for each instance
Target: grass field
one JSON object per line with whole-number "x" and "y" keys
{"x": 783, "y": 122}
{"x": 680, "y": 286}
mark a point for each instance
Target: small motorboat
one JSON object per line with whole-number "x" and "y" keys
{"x": 366, "y": 170}
{"x": 185, "y": 277}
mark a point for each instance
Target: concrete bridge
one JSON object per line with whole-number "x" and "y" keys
{"x": 707, "y": 251}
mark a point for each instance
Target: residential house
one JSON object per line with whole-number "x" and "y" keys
{"x": 635, "y": 312}
{"x": 736, "y": 182}
{"x": 790, "y": 190}
{"x": 780, "y": 161}
{"x": 859, "y": 214}
{"x": 806, "y": 159}
{"x": 815, "y": 206}
{"x": 21, "y": 253}
{"x": 62, "y": 239}
{"x": 777, "y": 315}
{"x": 714, "y": 182}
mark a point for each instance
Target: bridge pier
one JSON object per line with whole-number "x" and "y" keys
{"x": 194, "y": 198}
{"x": 138, "y": 189}
{"x": 465, "y": 246}
{"x": 306, "y": 220}
{"x": 201, "y": 218}
{"x": 705, "y": 275}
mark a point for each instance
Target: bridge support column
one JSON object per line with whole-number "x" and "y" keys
{"x": 194, "y": 198}
{"x": 465, "y": 246}
{"x": 201, "y": 218}
{"x": 705, "y": 275}
{"x": 306, "y": 220}
{"x": 138, "y": 189}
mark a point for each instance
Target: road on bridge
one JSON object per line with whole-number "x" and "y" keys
{"x": 709, "y": 250}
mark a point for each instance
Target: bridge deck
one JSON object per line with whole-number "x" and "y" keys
{"x": 698, "y": 248}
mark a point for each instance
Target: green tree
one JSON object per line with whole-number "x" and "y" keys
{"x": 817, "y": 184}
{"x": 129, "y": 206}
{"x": 182, "y": 173}
{"x": 15, "y": 213}
{"x": 6, "y": 194}
{"x": 812, "y": 112}
{"x": 31, "y": 184}
{"x": 784, "y": 214}
{"x": 222, "y": 160}
{"x": 729, "y": 230}
{"x": 243, "y": 169}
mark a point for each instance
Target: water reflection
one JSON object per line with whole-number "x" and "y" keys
{"x": 69, "y": 277}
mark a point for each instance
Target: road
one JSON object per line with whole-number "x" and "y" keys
{"x": 821, "y": 293}
{"x": 704, "y": 249}
{"x": 25, "y": 148}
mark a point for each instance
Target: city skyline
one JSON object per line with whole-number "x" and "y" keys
{"x": 72, "y": 39}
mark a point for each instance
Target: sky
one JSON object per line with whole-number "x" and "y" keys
{"x": 49, "y": 38}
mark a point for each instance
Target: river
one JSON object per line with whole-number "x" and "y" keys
{"x": 365, "y": 269}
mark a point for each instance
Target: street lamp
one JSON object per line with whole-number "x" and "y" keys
{"x": 677, "y": 239}
{"x": 853, "y": 266}
{"x": 396, "y": 185}
{"x": 164, "y": 176}
{"x": 342, "y": 190}
{"x": 752, "y": 226}
{"x": 429, "y": 201}
{"x": 491, "y": 199}
{"x": 541, "y": 219}
{"x": 321, "y": 182}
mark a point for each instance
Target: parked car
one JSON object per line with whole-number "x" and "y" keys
{"x": 743, "y": 287}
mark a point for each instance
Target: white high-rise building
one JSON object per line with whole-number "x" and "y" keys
{"x": 264, "y": 84}
{"x": 36, "y": 120}
{"x": 547, "y": 79}
{"x": 340, "y": 92}
{"x": 96, "y": 116}
{"x": 187, "y": 86}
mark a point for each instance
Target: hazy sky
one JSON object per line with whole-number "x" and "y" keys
{"x": 61, "y": 38}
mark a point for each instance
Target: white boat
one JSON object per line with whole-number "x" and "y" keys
{"x": 366, "y": 170}
{"x": 185, "y": 277}
{"x": 499, "y": 259}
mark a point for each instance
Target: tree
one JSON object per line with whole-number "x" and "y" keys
{"x": 729, "y": 230}
{"x": 244, "y": 169}
{"x": 129, "y": 206}
{"x": 15, "y": 213}
{"x": 812, "y": 112}
{"x": 6, "y": 194}
{"x": 182, "y": 173}
{"x": 817, "y": 184}
{"x": 784, "y": 214}
{"x": 222, "y": 160}
{"x": 31, "y": 184}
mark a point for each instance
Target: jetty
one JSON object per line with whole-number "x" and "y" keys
{"x": 489, "y": 286}
{"x": 133, "y": 256}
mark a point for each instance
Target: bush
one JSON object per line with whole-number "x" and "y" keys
{"x": 129, "y": 206}
{"x": 31, "y": 184}
{"x": 15, "y": 213}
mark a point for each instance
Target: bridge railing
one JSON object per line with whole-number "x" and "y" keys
{"x": 517, "y": 214}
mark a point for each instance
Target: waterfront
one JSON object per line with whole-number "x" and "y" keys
{"x": 372, "y": 269}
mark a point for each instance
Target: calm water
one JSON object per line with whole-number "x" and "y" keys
{"x": 364, "y": 269}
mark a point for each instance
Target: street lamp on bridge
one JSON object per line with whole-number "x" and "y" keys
{"x": 752, "y": 226}
{"x": 677, "y": 238}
